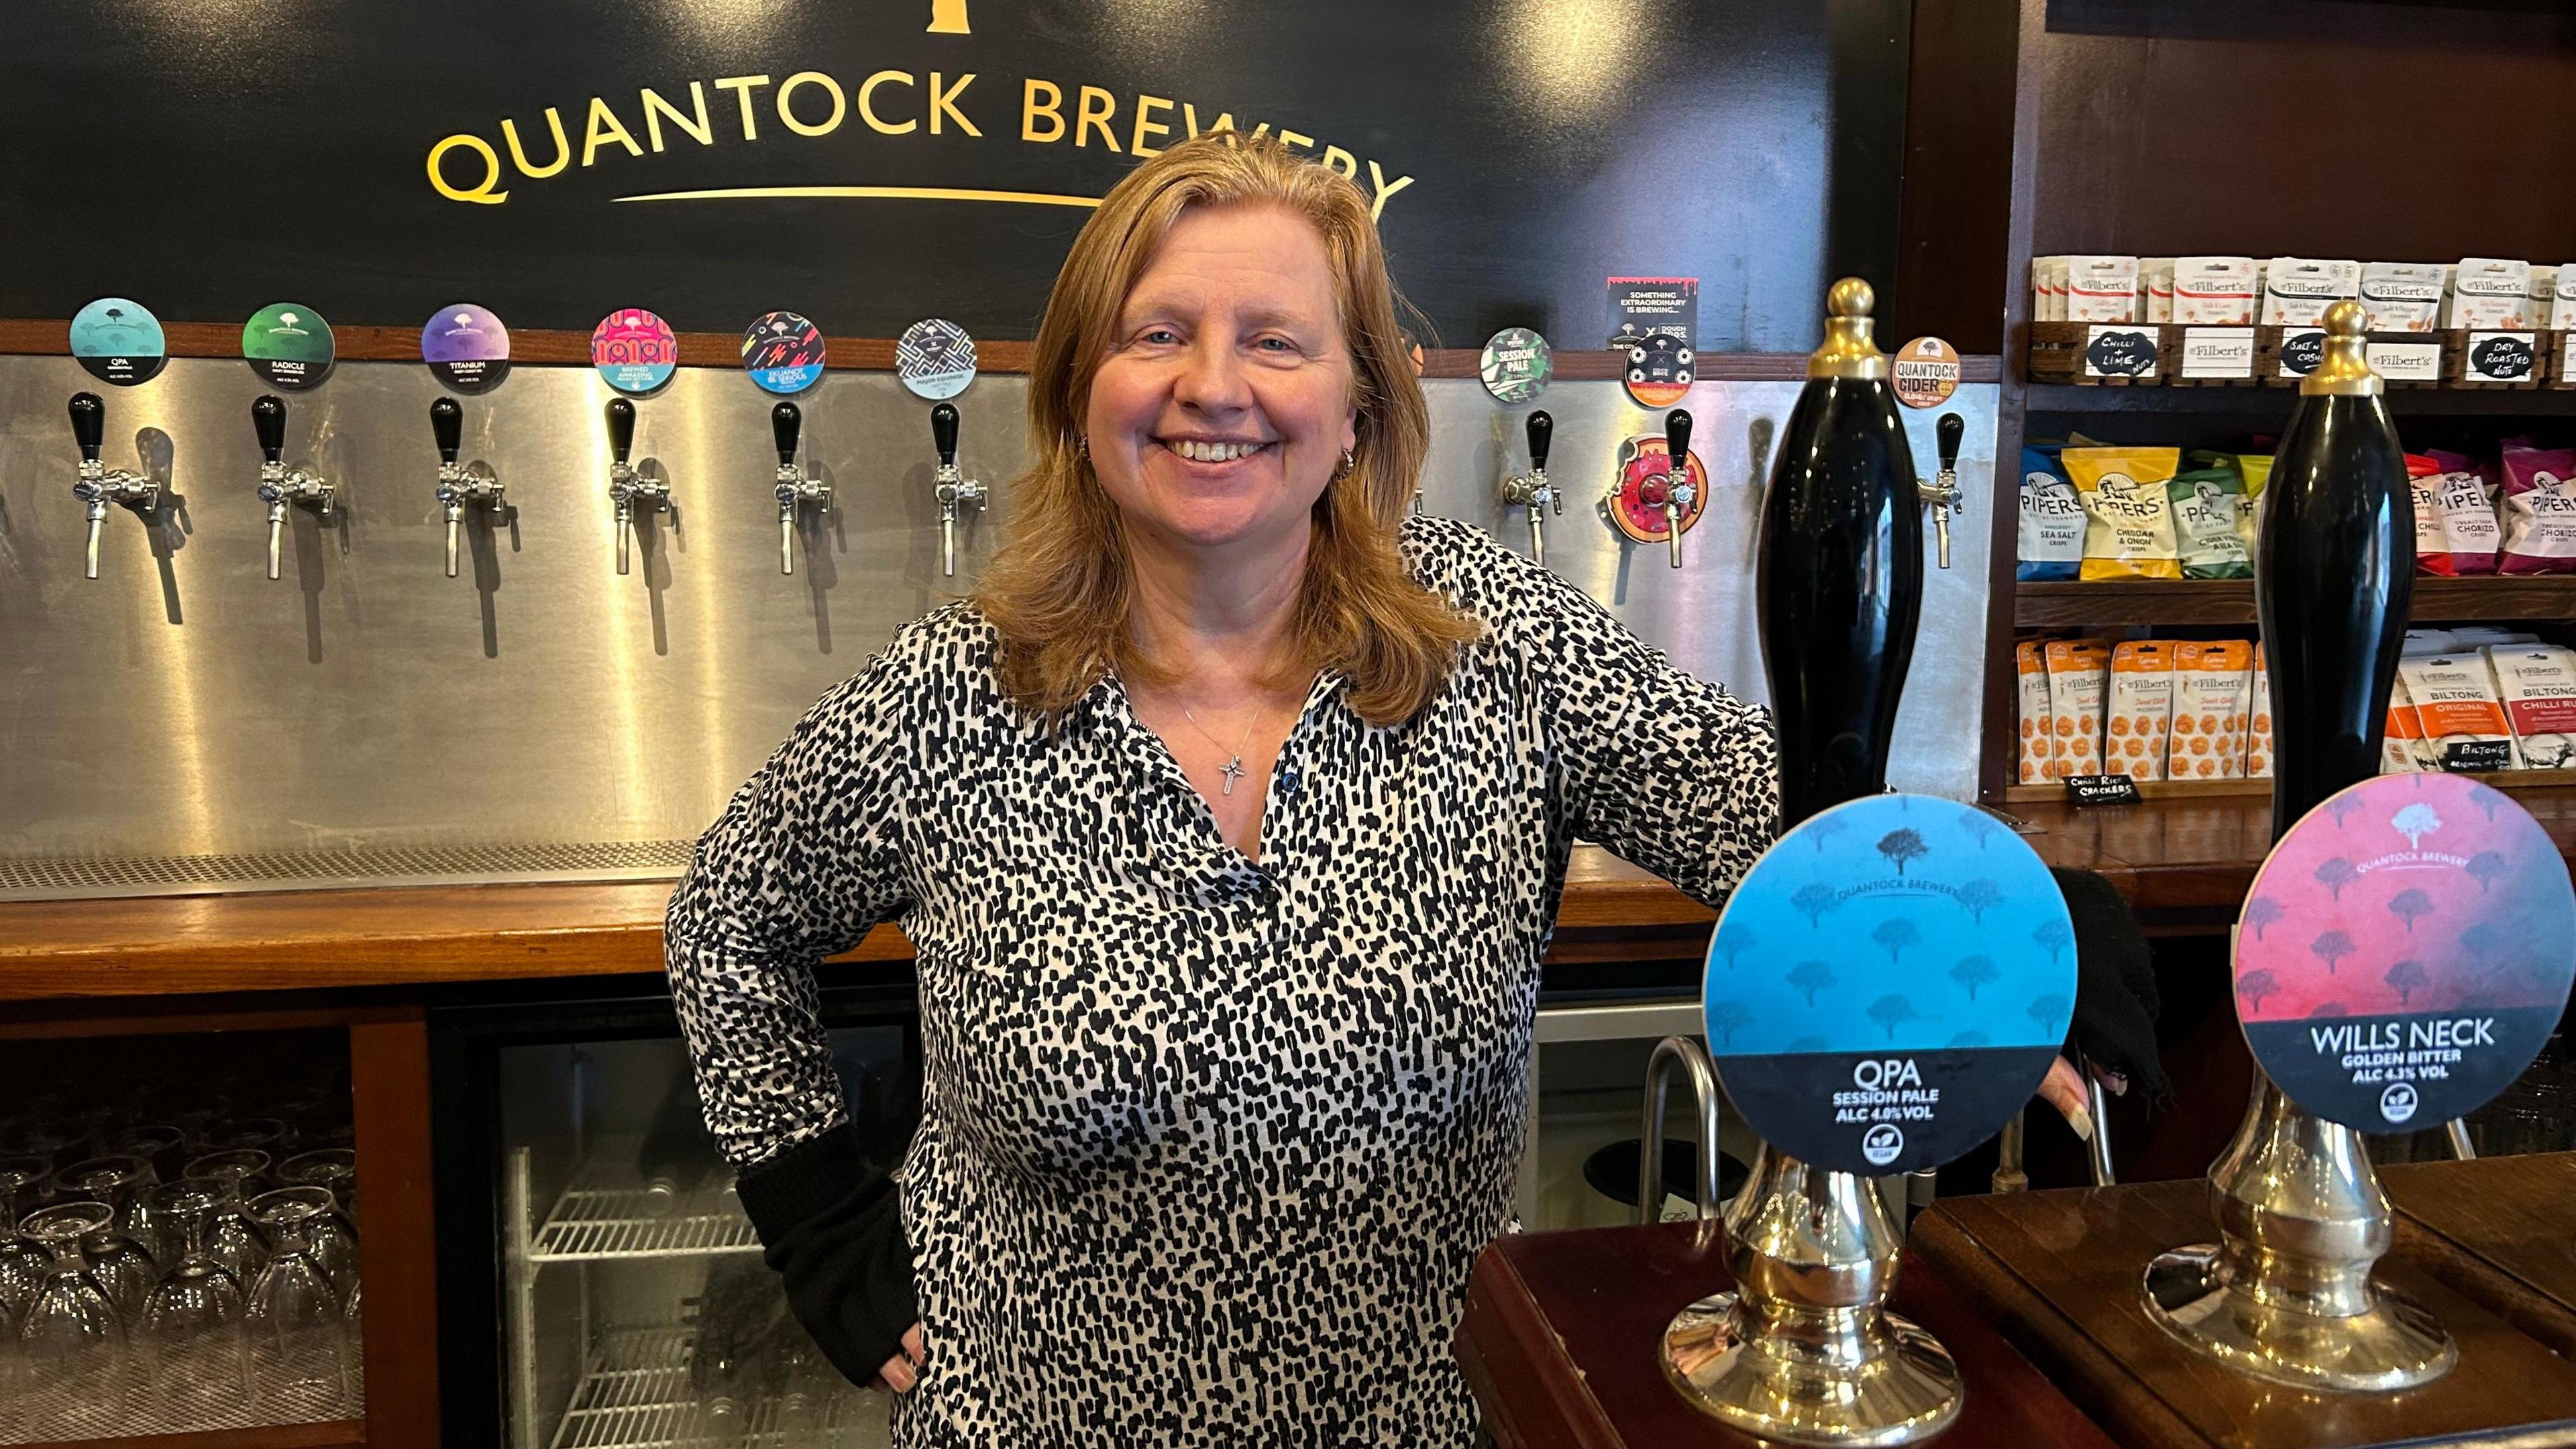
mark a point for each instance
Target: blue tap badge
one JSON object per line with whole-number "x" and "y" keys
{"x": 1889, "y": 984}
{"x": 118, "y": 341}
{"x": 935, "y": 358}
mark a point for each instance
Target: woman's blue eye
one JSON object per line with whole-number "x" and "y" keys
{"x": 1275, "y": 343}
{"x": 1160, "y": 334}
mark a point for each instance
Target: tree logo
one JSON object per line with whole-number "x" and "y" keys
{"x": 1900, "y": 846}
{"x": 2415, "y": 822}
{"x": 1882, "y": 1142}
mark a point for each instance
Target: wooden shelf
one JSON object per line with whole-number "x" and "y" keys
{"x": 2060, "y": 604}
{"x": 2262, "y": 789}
{"x": 2274, "y": 403}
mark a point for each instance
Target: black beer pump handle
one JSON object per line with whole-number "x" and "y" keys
{"x": 447, "y": 424}
{"x": 268, "y": 415}
{"x": 621, "y": 428}
{"x": 1949, "y": 431}
{"x": 1542, "y": 428}
{"x": 89, "y": 424}
{"x": 1677, "y": 431}
{"x": 785, "y": 420}
{"x": 943, "y": 433}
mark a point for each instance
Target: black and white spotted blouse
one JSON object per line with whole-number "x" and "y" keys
{"x": 1208, "y": 1147}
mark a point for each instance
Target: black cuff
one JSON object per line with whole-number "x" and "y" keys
{"x": 797, "y": 1185}
{"x": 832, "y": 1227}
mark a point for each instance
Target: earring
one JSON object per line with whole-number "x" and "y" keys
{"x": 1082, "y": 445}
{"x": 1348, "y": 463}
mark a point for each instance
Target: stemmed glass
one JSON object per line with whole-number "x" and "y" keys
{"x": 263, "y": 1134}
{"x": 72, "y": 1343}
{"x": 296, "y": 1350}
{"x": 161, "y": 1144}
{"x": 233, "y": 1239}
{"x": 193, "y": 1323}
{"x": 120, "y": 1252}
{"x": 22, "y": 1263}
{"x": 335, "y": 1168}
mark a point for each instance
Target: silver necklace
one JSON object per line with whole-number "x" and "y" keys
{"x": 1232, "y": 769}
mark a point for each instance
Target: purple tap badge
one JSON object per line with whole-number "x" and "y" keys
{"x": 1889, "y": 984}
{"x": 633, "y": 350}
{"x": 783, "y": 353}
{"x": 466, "y": 347}
{"x": 2405, "y": 952}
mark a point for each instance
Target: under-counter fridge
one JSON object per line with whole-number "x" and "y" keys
{"x": 600, "y": 1285}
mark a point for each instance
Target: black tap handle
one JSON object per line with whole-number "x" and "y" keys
{"x": 268, "y": 415}
{"x": 1677, "y": 430}
{"x": 943, "y": 433}
{"x": 785, "y": 421}
{"x": 1541, "y": 428}
{"x": 447, "y": 424}
{"x": 89, "y": 424}
{"x": 1949, "y": 431}
{"x": 621, "y": 428}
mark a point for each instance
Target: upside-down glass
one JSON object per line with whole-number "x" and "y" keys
{"x": 22, "y": 1263}
{"x": 121, "y": 1182}
{"x": 72, "y": 1343}
{"x": 161, "y": 1144}
{"x": 265, "y": 1134}
{"x": 193, "y": 1325}
{"x": 335, "y": 1168}
{"x": 233, "y": 1239}
{"x": 297, "y": 1352}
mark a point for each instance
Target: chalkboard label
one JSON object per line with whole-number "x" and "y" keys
{"x": 2472, "y": 756}
{"x": 2101, "y": 790}
{"x": 2115, "y": 350}
{"x": 2302, "y": 348}
{"x": 2501, "y": 356}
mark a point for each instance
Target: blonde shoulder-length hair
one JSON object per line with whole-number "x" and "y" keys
{"x": 1058, "y": 589}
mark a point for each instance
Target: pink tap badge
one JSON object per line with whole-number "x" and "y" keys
{"x": 633, "y": 350}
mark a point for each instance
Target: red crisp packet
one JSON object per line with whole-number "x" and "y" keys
{"x": 2537, "y": 505}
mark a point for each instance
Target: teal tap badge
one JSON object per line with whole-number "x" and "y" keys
{"x": 118, "y": 341}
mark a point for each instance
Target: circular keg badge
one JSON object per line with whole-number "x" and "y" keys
{"x": 1659, "y": 370}
{"x": 2405, "y": 952}
{"x": 1516, "y": 365}
{"x": 1636, "y": 506}
{"x": 633, "y": 350}
{"x": 1889, "y": 984}
{"x": 783, "y": 353}
{"x": 466, "y": 347}
{"x": 1925, "y": 372}
{"x": 935, "y": 359}
{"x": 289, "y": 345}
{"x": 118, "y": 341}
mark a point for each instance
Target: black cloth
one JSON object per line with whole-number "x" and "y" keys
{"x": 832, "y": 1226}
{"x": 2116, "y": 1003}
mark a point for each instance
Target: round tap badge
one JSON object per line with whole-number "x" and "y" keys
{"x": 2405, "y": 952}
{"x": 1889, "y": 984}
{"x": 633, "y": 350}
{"x": 1516, "y": 365}
{"x": 783, "y": 353}
{"x": 1926, "y": 372}
{"x": 1659, "y": 370}
{"x": 1636, "y": 505}
{"x": 935, "y": 358}
{"x": 466, "y": 347}
{"x": 289, "y": 345}
{"x": 118, "y": 341}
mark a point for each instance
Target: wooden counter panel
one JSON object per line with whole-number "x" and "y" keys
{"x": 2059, "y": 1271}
{"x": 2505, "y": 1227}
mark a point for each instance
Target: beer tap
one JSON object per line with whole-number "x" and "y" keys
{"x": 628, "y": 489}
{"x": 457, "y": 488}
{"x": 278, "y": 487}
{"x": 794, "y": 488}
{"x": 1531, "y": 490}
{"x": 1671, "y": 490}
{"x": 99, "y": 486}
{"x": 952, "y": 489}
{"x": 1943, "y": 491}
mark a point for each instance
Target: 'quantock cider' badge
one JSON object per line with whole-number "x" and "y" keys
{"x": 1889, "y": 984}
{"x": 2405, "y": 952}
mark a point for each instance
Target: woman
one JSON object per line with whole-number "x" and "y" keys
{"x": 1229, "y": 819}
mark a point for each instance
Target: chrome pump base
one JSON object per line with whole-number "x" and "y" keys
{"x": 2285, "y": 1295}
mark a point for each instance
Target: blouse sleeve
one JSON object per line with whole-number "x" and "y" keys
{"x": 804, "y": 862}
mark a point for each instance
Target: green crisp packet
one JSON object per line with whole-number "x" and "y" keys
{"x": 2210, "y": 513}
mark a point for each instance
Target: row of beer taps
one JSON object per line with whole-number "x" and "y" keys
{"x": 630, "y": 492}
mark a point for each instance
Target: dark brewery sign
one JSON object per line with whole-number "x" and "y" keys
{"x": 870, "y": 162}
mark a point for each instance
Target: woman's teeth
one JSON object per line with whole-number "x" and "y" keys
{"x": 1198, "y": 452}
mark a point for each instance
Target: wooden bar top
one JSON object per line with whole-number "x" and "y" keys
{"x": 2058, "y": 1272}
{"x": 1562, "y": 1329}
{"x": 2504, "y": 1231}
{"x": 301, "y": 940}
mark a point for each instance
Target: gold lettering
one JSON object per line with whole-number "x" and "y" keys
{"x": 1190, "y": 115}
{"x": 604, "y": 129}
{"x": 1384, "y": 189}
{"x": 519, "y": 153}
{"x": 1293, "y": 139}
{"x": 1341, "y": 163}
{"x": 743, "y": 86}
{"x": 1144, "y": 122}
{"x": 787, "y": 113}
{"x": 1088, "y": 117}
{"x": 867, "y": 112}
{"x": 480, "y": 191}
{"x": 945, "y": 102}
{"x": 1030, "y": 110}
{"x": 655, "y": 108}
{"x": 947, "y": 17}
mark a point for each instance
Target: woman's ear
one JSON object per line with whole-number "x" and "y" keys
{"x": 1351, "y": 430}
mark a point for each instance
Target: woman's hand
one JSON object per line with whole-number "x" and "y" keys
{"x": 2063, "y": 1089}
{"x": 899, "y": 1374}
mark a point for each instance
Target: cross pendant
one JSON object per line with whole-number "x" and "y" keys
{"x": 1232, "y": 770}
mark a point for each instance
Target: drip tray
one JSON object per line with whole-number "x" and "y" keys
{"x": 62, "y": 878}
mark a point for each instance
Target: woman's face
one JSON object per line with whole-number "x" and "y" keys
{"x": 1225, "y": 401}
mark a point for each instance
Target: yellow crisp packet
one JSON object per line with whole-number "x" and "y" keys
{"x": 2129, "y": 523}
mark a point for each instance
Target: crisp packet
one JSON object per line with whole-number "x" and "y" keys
{"x": 2537, "y": 507}
{"x": 2129, "y": 526}
{"x": 2052, "y": 518}
{"x": 2258, "y": 724}
{"x": 2038, "y": 738}
{"x": 2077, "y": 672}
{"x": 2455, "y": 524}
{"x": 2141, "y": 711}
{"x": 2401, "y": 749}
{"x": 2210, "y": 698}
{"x": 2210, "y": 507}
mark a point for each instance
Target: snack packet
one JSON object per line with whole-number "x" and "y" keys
{"x": 2537, "y": 683}
{"x": 2052, "y": 518}
{"x": 2253, "y": 470}
{"x": 2077, "y": 672}
{"x": 2211, "y": 687}
{"x": 2537, "y": 512}
{"x": 2209, "y": 508}
{"x": 2401, "y": 750}
{"x": 2141, "y": 712}
{"x": 2129, "y": 527}
{"x": 2038, "y": 736}
{"x": 2455, "y": 525}
{"x": 2258, "y": 725}
{"x": 2455, "y": 701}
